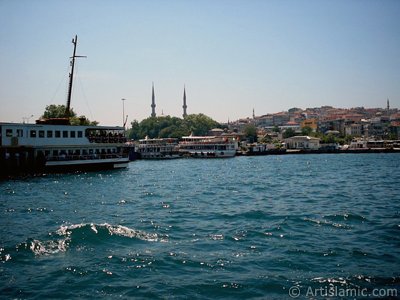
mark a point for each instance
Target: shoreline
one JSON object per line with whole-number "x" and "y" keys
{"x": 319, "y": 151}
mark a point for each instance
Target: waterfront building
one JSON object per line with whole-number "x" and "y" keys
{"x": 280, "y": 118}
{"x": 302, "y": 143}
{"x": 376, "y": 129}
{"x": 288, "y": 125}
{"x": 353, "y": 117}
{"x": 355, "y": 129}
{"x": 312, "y": 123}
{"x": 264, "y": 121}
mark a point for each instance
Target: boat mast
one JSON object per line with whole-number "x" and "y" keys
{"x": 71, "y": 77}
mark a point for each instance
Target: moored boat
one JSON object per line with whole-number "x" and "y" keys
{"x": 208, "y": 146}
{"x": 56, "y": 145}
{"x": 45, "y": 147}
{"x": 165, "y": 148}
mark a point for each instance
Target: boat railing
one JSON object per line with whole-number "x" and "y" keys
{"x": 205, "y": 142}
{"x": 107, "y": 139}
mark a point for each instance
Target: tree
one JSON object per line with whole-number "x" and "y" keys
{"x": 58, "y": 111}
{"x": 328, "y": 139}
{"x": 250, "y": 132}
{"x": 276, "y": 129}
{"x": 266, "y": 139}
{"x": 171, "y": 127}
{"x": 289, "y": 133}
{"x": 133, "y": 132}
{"x": 306, "y": 130}
{"x": 200, "y": 124}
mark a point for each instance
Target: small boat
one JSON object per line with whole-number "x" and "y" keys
{"x": 56, "y": 145}
{"x": 208, "y": 146}
{"x": 166, "y": 148}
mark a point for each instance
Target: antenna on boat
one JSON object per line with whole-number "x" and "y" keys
{"x": 71, "y": 77}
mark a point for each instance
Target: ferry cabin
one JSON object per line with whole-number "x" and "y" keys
{"x": 158, "y": 148}
{"x": 208, "y": 146}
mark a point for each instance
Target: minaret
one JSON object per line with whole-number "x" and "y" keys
{"x": 184, "y": 103}
{"x": 388, "y": 106}
{"x": 254, "y": 115}
{"x": 153, "y": 102}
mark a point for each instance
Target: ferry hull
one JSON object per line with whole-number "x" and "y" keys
{"x": 22, "y": 161}
{"x": 86, "y": 165}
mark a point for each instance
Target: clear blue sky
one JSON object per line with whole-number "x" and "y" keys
{"x": 232, "y": 56}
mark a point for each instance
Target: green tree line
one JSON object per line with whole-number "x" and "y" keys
{"x": 58, "y": 111}
{"x": 171, "y": 127}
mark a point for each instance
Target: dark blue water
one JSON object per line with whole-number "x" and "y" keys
{"x": 247, "y": 227}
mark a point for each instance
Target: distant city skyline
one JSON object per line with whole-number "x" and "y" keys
{"x": 229, "y": 56}
{"x": 153, "y": 105}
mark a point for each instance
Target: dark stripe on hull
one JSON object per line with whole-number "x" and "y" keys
{"x": 86, "y": 167}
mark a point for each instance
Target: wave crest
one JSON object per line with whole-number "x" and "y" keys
{"x": 75, "y": 235}
{"x": 107, "y": 229}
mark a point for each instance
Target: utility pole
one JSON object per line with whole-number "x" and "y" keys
{"x": 124, "y": 118}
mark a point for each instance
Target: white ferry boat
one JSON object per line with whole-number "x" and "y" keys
{"x": 54, "y": 144}
{"x": 208, "y": 146}
{"x": 62, "y": 147}
{"x": 166, "y": 148}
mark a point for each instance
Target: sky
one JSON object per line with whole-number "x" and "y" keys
{"x": 232, "y": 56}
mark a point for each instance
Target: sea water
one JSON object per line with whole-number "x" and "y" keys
{"x": 269, "y": 227}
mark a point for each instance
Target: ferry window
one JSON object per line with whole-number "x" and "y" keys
{"x": 55, "y": 152}
{"x": 70, "y": 152}
{"x": 49, "y": 133}
{"x": 33, "y": 133}
{"x": 80, "y": 134}
{"x": 65, "y": 134}
{"x": 58, "y": 133}
{"x": 9, "y": 132}
{"x": 72, "y": 134}
{"x": 41, "y": 133}
{"x": 20, "y": 133}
